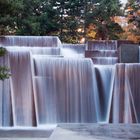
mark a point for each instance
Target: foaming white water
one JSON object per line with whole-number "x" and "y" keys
{"x": 73, "y": 50}
{"x": 71, "y": 53}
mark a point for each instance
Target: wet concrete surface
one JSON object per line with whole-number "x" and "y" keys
{"x": 78, "y": 132}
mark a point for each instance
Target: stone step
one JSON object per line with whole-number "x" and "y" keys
{"x": 102, "y": 45}
{"x": 101, "y": 53}
{"x": 105, "y": 60}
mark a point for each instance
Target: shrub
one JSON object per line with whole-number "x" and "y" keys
{"x": 4, "y": 71}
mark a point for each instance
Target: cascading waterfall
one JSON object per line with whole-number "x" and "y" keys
{"x": 61, "y": 91}
{"x": 37, "y": 50}
{"x": 5, "y": 98}
{"x": 33, "y": 41}
{"x": 104, "y": 61}
{"x": 5, "y": 104}
{"x": 125, "y": 94}
{"x": 116, "y": 115}
{"x": 22, "y": 89}
{"x": 132, "y": 91}
{"x": 104, "y": 76}
{"x": 73, "y": 50}
{"x": 102, "y": 45}
{"x": 102, "y": 52}
{"x": 44, "y": 89}
{"x": 99, "y": 53}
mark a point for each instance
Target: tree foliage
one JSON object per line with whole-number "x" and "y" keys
{"x": 133, "y": 15}
{"x": 59, "y": 17}
{"x": 35, "y": 17}
{"x": 28, "y": 17}
{"x": 4, "y": 71}
{"x": 102, "y": 17}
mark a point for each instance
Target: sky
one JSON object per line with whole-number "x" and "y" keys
{"x": 123, "y": 1}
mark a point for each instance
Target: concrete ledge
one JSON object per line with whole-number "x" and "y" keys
{"x": 31, "y": 132}
{"x": 104, "y": 131}
{"x": 76, "y": 131}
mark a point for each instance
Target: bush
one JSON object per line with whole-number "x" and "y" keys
{"x": 4, "y": 71}
{"x": 2, "y": 51}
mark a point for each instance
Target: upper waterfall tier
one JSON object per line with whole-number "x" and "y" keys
{"x": 41, "y": 41}
{"x": 102, "y": 52}
{"x": 102, "y": 45}
{"x": 73, "y": 50}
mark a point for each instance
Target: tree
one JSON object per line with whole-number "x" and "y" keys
{"x": 6, "y": 20}
{"x": 27, "y": 17}
{"x": 102, "y": 16}
{"x": 38, "y": 20}
{"x": 76, "y": 17}
{"x": 133, "y": 14}
{"x": 69, "y": 19}
{"x": 69, "y": 15}
{"x": 4, "y": 71}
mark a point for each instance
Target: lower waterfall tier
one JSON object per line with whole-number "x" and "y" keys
{"x": 44, "y": 90}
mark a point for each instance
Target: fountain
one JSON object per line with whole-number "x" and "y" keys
{"x": 73, "y": 50}
{"x": 49, "y": 85}
{"x": 22, "y": 89}
{"x": 61, "y": 91}
{"x": 102, "y": 52}
{"x": 34, "y": 41}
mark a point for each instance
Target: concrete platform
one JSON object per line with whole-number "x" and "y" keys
{"x": 97, "y": 131}
{"x": 24, "y": 139}
{"x": 27, "y": 132}
{"x": 88, "y": 132}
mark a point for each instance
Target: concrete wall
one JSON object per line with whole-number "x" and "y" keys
{"x": 129, "y": 53}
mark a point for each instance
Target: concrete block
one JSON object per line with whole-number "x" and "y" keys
{"x": 121, "y": 42}
{"x": 129, "y": 53}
